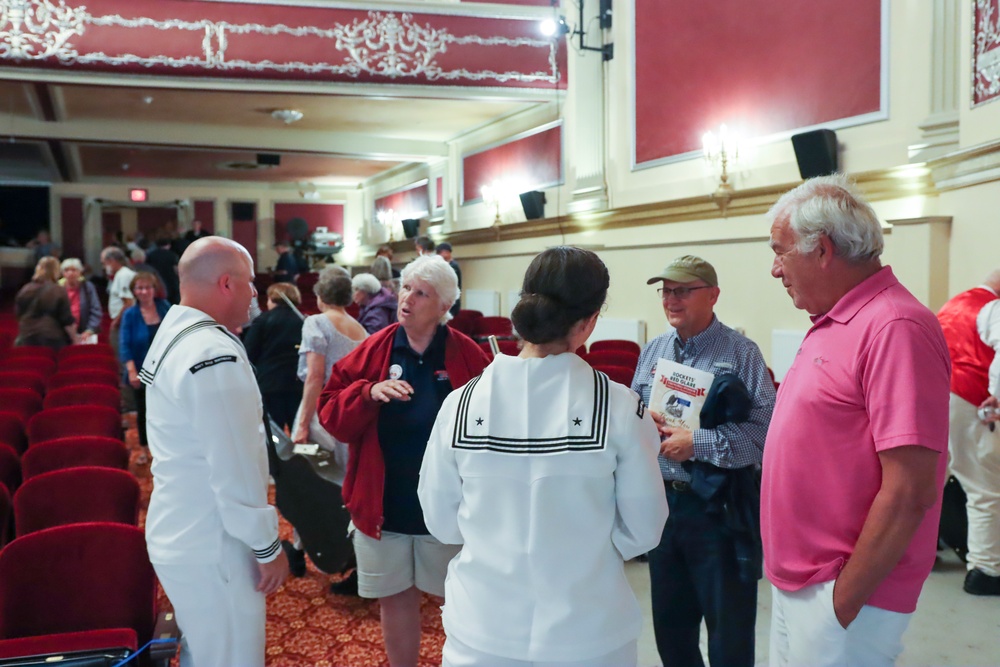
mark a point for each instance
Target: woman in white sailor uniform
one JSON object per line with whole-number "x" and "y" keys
{"x": 545, "y": 472}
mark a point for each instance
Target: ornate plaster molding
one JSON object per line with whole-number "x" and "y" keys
{"x": 985, "y": 51}
{"x": 375, "y": 44}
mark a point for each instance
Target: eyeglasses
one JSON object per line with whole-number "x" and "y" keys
{"x": 679, "y": 292}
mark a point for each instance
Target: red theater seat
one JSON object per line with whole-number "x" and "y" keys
{"x": 75, "y": 351}
{"x": 89, "y": 363}
{"x": 12, "y": 431}
{"x": 616, "y": 346}
{"x": 22, "y": 380}
{"x": 30, "y": 351}
{"x": 76, "y": 495}
{"x": 10, "y": 468}
{"x": 70, "y": 378}
{"x": 43, "y": 457}
{"x": 44, "y": 366}
{"x": 76, "y": 586}
{"x": 620, "y": 374}
{"x": 74, "y": 421}
{"x": 611, "y": 358}
{"x": 22, "y": 402}
{"x": 83, "y": 394}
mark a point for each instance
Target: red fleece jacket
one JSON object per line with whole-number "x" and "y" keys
{"x": 348, "y": 412}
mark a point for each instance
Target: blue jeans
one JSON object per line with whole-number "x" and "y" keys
{"x": 693, "y": 575}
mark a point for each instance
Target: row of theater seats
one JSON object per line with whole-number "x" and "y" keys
{"x": 75, "y": 580}
{"x": 616, "y": 358}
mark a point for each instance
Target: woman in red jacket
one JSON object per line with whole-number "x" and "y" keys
{"x": 382, "y": 399}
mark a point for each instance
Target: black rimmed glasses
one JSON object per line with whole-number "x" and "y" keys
{"x": 679, "y": 292}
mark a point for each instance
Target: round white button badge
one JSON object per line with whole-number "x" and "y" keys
{"x": 395, "y": 372}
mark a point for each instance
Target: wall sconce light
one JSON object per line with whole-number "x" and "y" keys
{"x": 720, "y": 150}
{"x": 493, "y": 196}
{"x": 387, "y": 218}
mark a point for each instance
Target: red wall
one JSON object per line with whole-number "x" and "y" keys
{"x": 71, "y": 212}
{"x": 245, "y": 233}
{"x": 528, "y": 163}
{"x": 204, "y": 210}
{"x": 330, "y": 216}
{"x": 412, "y": 201}
{"x": 760, "y": 67}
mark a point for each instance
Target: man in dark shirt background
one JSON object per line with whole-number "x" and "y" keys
{"x": 287, "y": 269}
{"x": 444, "y": 249}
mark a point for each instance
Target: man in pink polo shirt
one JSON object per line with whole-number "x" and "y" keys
{"x": 855, "y": 455}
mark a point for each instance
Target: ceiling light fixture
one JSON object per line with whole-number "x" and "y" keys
{"x": 287, "y": 116}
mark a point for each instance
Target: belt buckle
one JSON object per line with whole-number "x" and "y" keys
{"x": 679, "y": 486}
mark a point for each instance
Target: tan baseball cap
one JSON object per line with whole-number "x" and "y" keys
{"x": 687, "y": 269}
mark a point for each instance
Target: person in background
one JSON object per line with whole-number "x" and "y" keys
{"x": 382, "y": 270}
{"x": 382, "y": 400}
{"x": 971, "y": 324}
{"x": 326, "y": 338}
{"x": 43, "y": 245}
{"x": 287, "y": 269}
{"x": 165, "y": 261}
{"x": 855, "y": 456}
{"x": 386, "y": 251}
{"x": 84, "y": 302}
{"x": 272, "y": 346}
{"x": 44, "y": 316}
{"x": 139, "y": 325}
{"x": 423, "y": 245}
{"x": 196, "y": 232}
{"x": 543, "y": 468}
{"x": 444, "y": 249}
{"x": 120, "y": 276}
{"x": 212, "y": 537}
{"x": 378, "y": 304}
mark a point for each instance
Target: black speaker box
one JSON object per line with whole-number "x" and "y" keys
{"x": 533, "y": 204}
{"x": 242, "y": 210}
{"x": 269, "y": 159}
{"x": 411, "y": 227}
{"x": 816, "y": 153}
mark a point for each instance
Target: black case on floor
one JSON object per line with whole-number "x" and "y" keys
{"x": 311, "y": 501}
{"x": 953, "y": 531}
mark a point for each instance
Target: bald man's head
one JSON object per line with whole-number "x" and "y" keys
{"x": 216, "y": 276}
{"x": 993, "y": 281}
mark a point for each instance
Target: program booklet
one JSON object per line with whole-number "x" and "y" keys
{"x": 678, "y": 393}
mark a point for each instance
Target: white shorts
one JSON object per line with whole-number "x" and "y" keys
{"x": 805, "y": 631}
{"x": 397, "y": 562}
{"x": 457, "y": 654}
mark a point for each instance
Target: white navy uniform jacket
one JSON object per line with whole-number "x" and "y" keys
{"x": 546, "y": 472}
{"x": 206, "y": 434}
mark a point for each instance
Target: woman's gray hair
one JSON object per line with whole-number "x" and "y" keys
{"x": 333, "y": 287}
{"x": 382, "y": 269}
{"x": 366, "y": 283}
{"x": 831, "y": 206}
{"x": 71, "y": 263}
{"x": 437, "y": 273}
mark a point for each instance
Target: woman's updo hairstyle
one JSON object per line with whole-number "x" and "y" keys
{"x": 562, "y": 286}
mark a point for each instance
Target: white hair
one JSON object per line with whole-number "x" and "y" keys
{"x": 437, "y": 273}
{"x": 831, "y": 206}
{"x": 367, "y": 283}
{"x": 71, "y": 263}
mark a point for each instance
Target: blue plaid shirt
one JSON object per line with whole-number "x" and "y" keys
{"x": 717, "y": 349}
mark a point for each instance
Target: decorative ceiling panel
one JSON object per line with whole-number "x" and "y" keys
{"x": 221, "y": 39}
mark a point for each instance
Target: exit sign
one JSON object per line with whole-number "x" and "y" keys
{"x": 138, "y": 195}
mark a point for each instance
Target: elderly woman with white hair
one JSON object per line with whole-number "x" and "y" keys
{"x": 377, "y": 303}
{"x": 382, "y": 399}
{"x": 83, "y": 300}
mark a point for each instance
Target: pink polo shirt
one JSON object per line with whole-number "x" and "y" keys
{"x": 872, "y": 374}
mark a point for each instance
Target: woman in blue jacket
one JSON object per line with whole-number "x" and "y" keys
{"x": 138, "y": 327}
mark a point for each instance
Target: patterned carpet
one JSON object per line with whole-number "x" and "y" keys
{"x": 308, "y": 626}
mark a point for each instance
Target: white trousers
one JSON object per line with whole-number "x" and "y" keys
{"x": 218, "y": 609}
{"x": 457, "y": 654}
{"x": 805, "y": 632}
{"x": 975, "y": 462}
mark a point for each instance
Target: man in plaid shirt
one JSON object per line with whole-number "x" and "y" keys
{"x": 693, "y": 572}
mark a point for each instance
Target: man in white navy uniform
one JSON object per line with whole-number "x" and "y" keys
{"x": 211, "y": 535}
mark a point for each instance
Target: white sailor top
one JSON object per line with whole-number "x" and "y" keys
{"x": 204, "y": 420}
{"x": 546, "y": 472}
